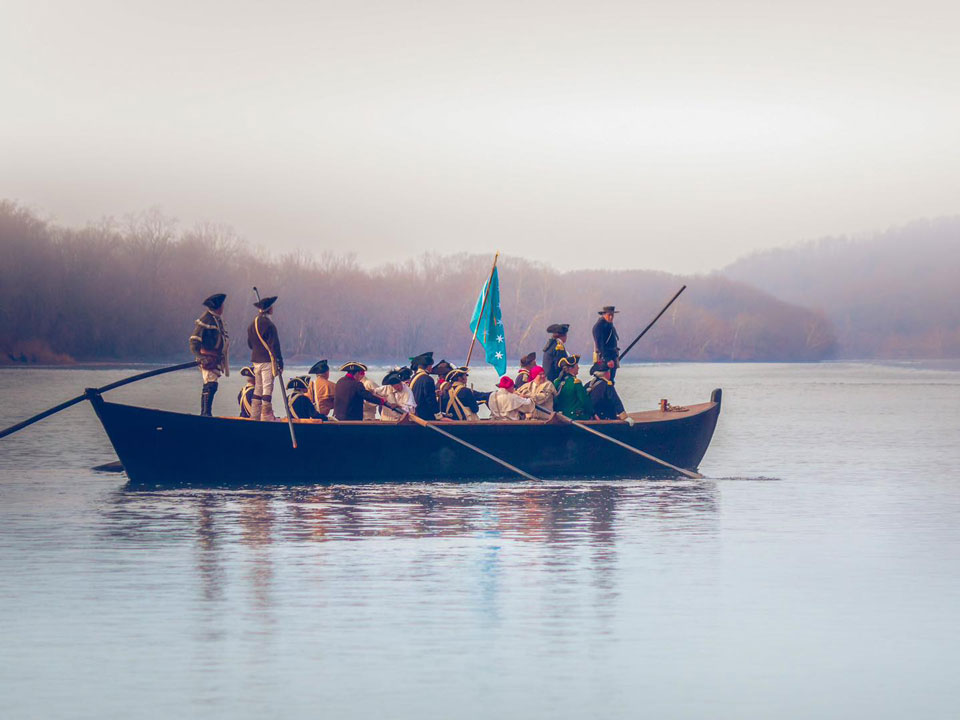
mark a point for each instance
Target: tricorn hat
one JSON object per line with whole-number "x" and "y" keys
{"x": 422, "y": 360}
{"x": 353, "y": 367}
{"x": 215, "y": 302}
{"x": 558, "y": 328}
{"x": 440, "y": 369}
{"x": 455, "y": 373}
{"x": 569, "y": 361}
{"x": 247, "y": 372}
{"x": 392, "y": 378}
{"x": 598, "y": 367}
{"x": 319, "y": 367}
{"x": 607, "y": 309}
{"x": 528, "y": 360}
{"x": 405, "y": 373}
{"x": 296, "y": 383}
{"x": 266, "y": 303}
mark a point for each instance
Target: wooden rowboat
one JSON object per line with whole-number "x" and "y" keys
{"x": 166, "y": 449}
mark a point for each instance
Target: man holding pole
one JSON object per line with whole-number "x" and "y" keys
{"x": 210, "y": 344}
{"x": 266, "y": 357}
{"x": 606, "y": 341}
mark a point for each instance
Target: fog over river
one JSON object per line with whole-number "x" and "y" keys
{"x": 815, "y": 572}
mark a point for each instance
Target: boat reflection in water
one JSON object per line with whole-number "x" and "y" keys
{"x": 326, "y": 546}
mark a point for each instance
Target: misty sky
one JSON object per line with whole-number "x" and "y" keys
{"x": 670, "y": 135}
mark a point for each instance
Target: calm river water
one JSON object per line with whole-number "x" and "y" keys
{"x": 815, "y": 573}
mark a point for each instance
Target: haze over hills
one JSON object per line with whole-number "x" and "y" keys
{"x": 894, "y": 295}
{"x": 131, "y": 291}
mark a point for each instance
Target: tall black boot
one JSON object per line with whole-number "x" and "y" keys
{"x": 206, "y": 400}
{"x": 213, "y": 391}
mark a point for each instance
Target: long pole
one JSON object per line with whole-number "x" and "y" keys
{"x": 483, "y": 305}
{"x": 652, "y": 322}
{"x": 423, "y": 423}
{"x": 80, "y": 398}
{"x": 286, "y": 406}
{"x": 631, "y": 448}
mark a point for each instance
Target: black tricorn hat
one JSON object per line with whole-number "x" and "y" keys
{"x": 607, "y": 309}
{"x": 558, "y": 328}
{"x": 422, "y": 360}
{"x": 296, "y": 383}
{"x": 215, "y": 302}
{"x": 569, "y": 361}
{"x": 441, "y": 368}
{"x": 266, "y": 303}
{"x": 392, "y": 378}
{"x": 246, "y": 372}
{"x": 599, "y": 367}
{"x": 353, "y": 367}
{"x": 456, "y": 372}
{"x": 405, "y": 373}
{"x": 528, "y": 360}
{"x": 320, "y": 366}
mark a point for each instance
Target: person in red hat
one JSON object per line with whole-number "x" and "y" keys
{"x": 506, "y": 404}
{"x": 541, "y": 391}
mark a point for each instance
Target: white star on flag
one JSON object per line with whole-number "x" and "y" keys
{"x": 499, "y": 356}
{"x": 499, "y": 338}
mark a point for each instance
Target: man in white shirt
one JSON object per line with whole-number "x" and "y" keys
{"x": 505, "y": 404}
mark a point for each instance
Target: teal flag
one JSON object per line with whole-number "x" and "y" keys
{"x": 490, "y": 323}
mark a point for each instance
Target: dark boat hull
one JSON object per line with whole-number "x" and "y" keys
{"x": 163, "y": 449}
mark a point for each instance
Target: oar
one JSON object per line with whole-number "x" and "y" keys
{"x": 631, "y": 448}
{"x": 286, "y": 406}
{"x": 423, "y": 423}
{"x": 80, "y": 398}
{"x": 652, "y": 323}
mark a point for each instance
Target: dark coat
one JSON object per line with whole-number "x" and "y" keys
{"x": 522, "y": 378}
{"x": 209, "y": 337}
{"x": 301, "y": 408}
{"x": 553, "y": 352}
{"x": 349, "y": 396}
{"x": 606, "y": 401}
{"x": 467, "y": 397}
{"x": 425, "y": 393}
{"x": 259, "y": 353}
{"x": 606, "y": 340}
{"x": 244, "y": 399}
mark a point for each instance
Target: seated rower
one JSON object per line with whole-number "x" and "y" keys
{"x": 300, "y": 406}
{"x": 245, "y": 397}
{"x": 350, "y": 394}
{"x": 541, "y": 391}
{"x": 321, "y": 390}
{"x": 424, "y": 388}
{"x": 527, "y": 363}
{"x": 505, "y": 404}
{"x": 459, "y": 401}
{"x": 572, "y": 399}
{"x": 606, "y": 402}
{"x": 395, "y": 391}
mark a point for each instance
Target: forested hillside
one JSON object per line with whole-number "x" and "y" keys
{"x": 131, "y": 291}
{"x": 893, "y": 295}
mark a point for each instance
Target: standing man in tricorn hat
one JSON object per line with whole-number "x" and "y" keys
{"x": 210, "y": 344}
{"x": 555, "y": 350}
{"x": 264, "y": 344}
{"x": 606, "y": 348}
{"x": 424, "y": 388}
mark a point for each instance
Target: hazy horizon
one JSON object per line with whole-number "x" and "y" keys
{"x": 674, "y": 137}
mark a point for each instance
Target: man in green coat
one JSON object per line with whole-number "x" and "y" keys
{"x": 572, "y": 399}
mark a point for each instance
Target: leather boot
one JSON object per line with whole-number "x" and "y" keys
{"x": 205, "y": 400}
{"x": 267, "y": 412}
{"x": 213, "y": 391}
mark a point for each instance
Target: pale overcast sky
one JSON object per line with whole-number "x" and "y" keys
{"x": 669, "y": 135}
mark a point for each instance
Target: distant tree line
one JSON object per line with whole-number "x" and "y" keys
{"x": 893, "y": 295}
{"x": 131, "y": 289}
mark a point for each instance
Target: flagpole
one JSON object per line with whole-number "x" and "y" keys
{"x": 483, "y": 305}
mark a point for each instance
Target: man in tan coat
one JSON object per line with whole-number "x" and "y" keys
{"x": 321, "y": 389}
